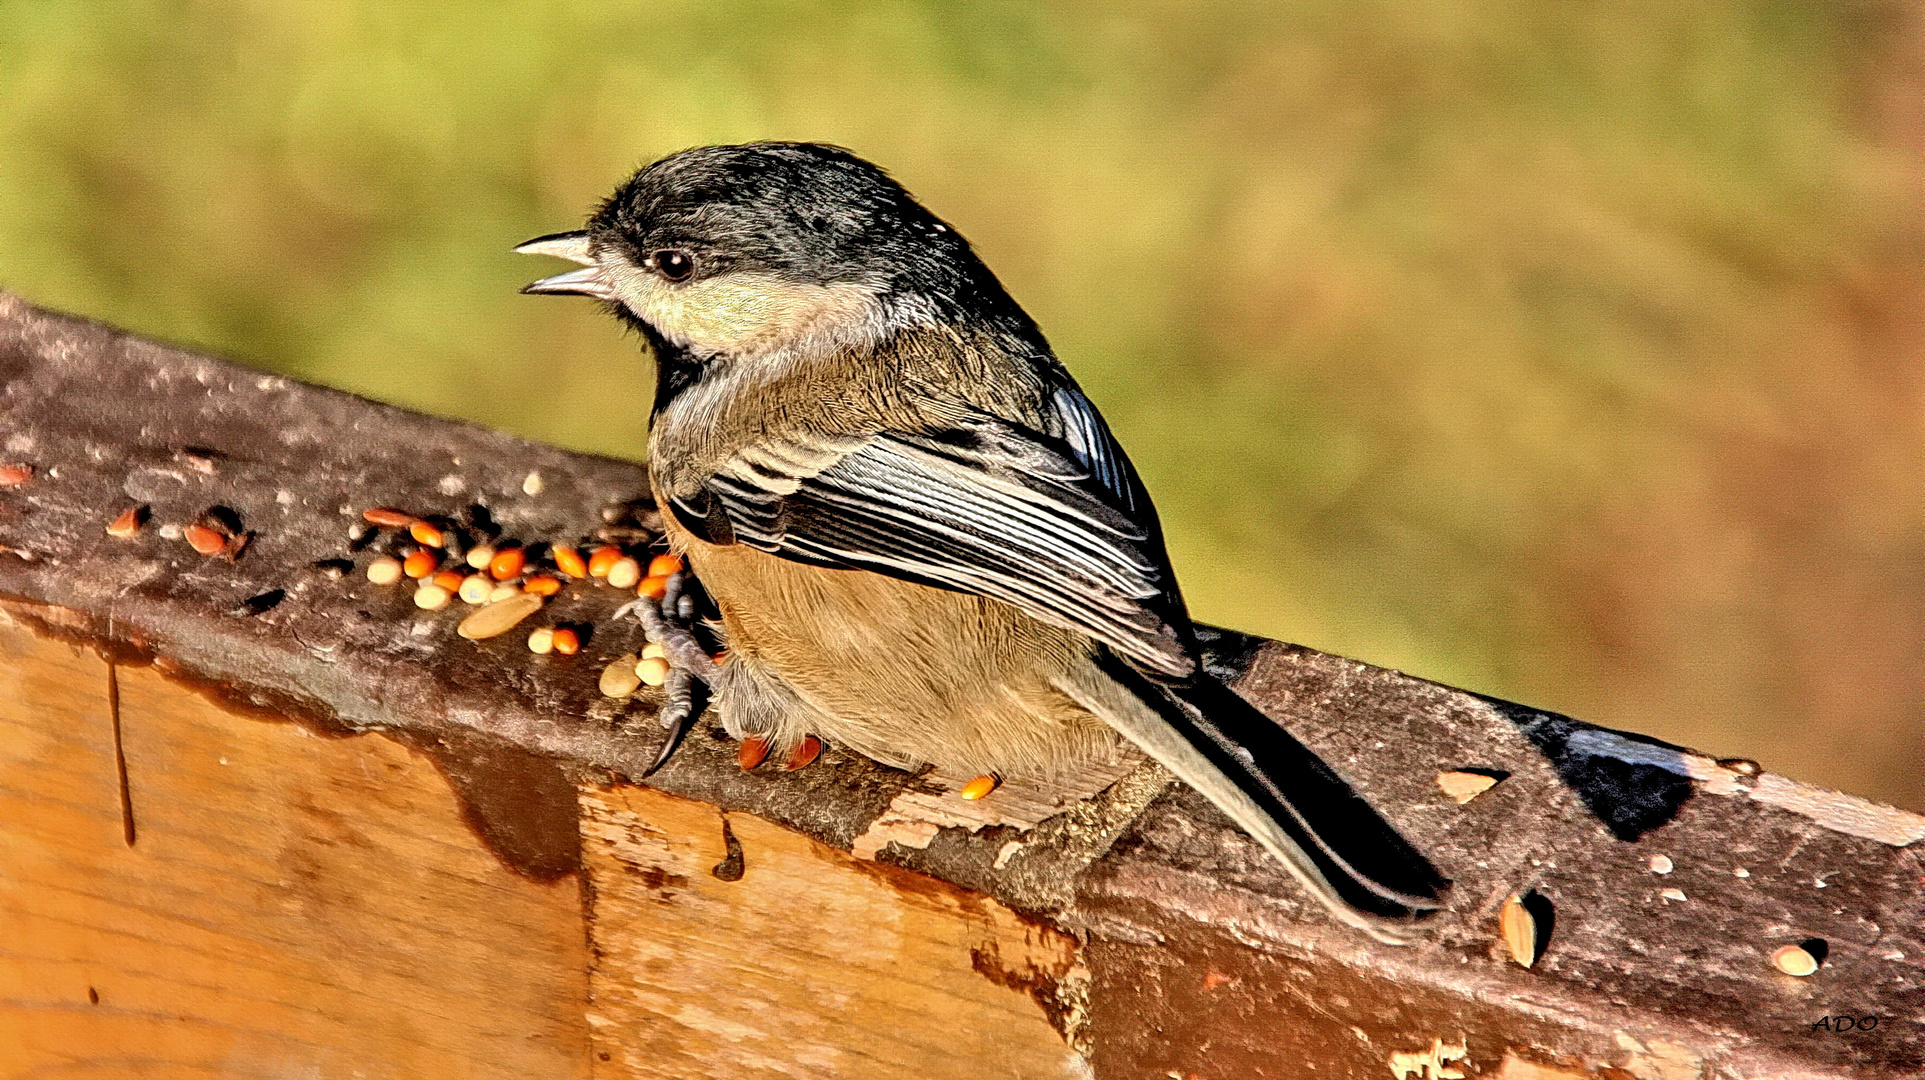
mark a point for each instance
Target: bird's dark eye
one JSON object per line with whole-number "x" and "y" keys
{"x": 674, "y": 265}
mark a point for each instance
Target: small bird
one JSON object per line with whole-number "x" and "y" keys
{"x": 922, "y": 540}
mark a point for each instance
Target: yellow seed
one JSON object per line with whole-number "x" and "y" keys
{"x": 1794, "y": 960}
{"x": 653, "y": 649}
{"x": 480, "y": 556}
{"x": 499, "y": 617}
{"x": 432, "y": 597}
{"x": 542, "y": 640}
{"x": 625, "y": 573}
{"x": 979, "y": 787}
{"x": 652, "y": 670}
{"x": 475, "y": 588}
{"x": 619, "y": 678}
{"x": 1519, "y": 927}
{"x": 1465, "y": 786}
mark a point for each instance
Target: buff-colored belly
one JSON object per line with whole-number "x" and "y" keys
{"x": 900, "y": 671}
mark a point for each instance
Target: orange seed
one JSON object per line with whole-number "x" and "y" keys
{"x": 204, "y": 540}
{"x": 567, "y": 642}
{"x": 15, "y": 474}
{"x": 507, "y": 563}
{"x": 426, "y": 533}
{"x": 448, "y": 579}
{"x": 393, "y": 519}
{"x": 569, "y": 561}
{"x": 979, "y": 787}
{"x": 542, "y": 585}
{"x": 805, "y": 751}
{"x": 653, "y": 587}
{"x": 419, "y": 564}
{"x": 664, "y": 565}
{"x": 603, "y": 558}
{"x": 753, "y": 751}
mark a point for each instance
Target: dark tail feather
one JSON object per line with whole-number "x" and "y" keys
{"x": 1275, "y": 788}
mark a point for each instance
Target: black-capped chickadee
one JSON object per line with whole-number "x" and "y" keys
{"x": 922, "y": 539}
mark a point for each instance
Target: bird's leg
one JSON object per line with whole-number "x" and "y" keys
{"x": 668, "y": 622}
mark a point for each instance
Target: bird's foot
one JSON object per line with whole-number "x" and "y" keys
{"x": 668, "y": 622}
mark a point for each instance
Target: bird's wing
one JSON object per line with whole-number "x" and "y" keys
{"x": 1050, "y": 525}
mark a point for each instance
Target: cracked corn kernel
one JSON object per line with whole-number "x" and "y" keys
{"x": 432, "y": 597}
{"x": 652, "y": 670}
{"x": 567, "y": 641}
{"x": 385, "y": 570}
{"x": 604, "y": 557}
{"x": 979, "y": 787}
{"x": 619, "y": 678}
{"x": 1464, "y": 786}
{"x": 569, "y": 561}
{"x": 625, "y": 573}
{"x": 128, "y": 523}
{"x": 541, "y": 640}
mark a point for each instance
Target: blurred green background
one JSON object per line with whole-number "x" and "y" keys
{"x": 1566, "y": 352}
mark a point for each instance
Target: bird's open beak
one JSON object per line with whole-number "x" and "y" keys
{"x": 573, "y": 246}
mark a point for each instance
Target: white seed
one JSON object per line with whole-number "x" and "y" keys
{"x": 619, "y": 678}
{"x": 385, "y": 570}
{"x": 432, "y": 597}
{"x": 502, "y": 592}
{"x": 625, "y": 573}
{"x": 542, "y": 640}
{"x": 1661, "y": 864}
{"x": 1673, "y": 894}
{"x": 1794, "y": 960}
{"x": 499, "y": 617}
{"x": 476, "y": 588}
{"x": 652, "y": 670}
{"x": 480, "y": 556}
{"x": 1740, "y": 872}
{"x": 531, "y": 484}
{"x": 653, "y": 649}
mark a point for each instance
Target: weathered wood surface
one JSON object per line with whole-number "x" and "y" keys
{"x": 292, "y": 905}
{"x": 1202, "y": 958}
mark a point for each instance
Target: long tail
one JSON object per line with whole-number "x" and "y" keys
{"x": 1272, "y": 786}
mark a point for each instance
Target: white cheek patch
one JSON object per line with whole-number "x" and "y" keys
{"x": 751, "y": 314}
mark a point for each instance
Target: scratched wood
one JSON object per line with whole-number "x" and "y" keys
{"x": 294, "y": 906}
{"x": 811, "y": 964}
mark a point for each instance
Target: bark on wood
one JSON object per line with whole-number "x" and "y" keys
{"x": 1667, "y": 878}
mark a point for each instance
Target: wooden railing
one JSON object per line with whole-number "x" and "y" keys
{"x": 260, "y": 816}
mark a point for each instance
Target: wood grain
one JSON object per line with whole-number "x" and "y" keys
{"x": 293, "y": 905}
{"x": 810, "y": 964}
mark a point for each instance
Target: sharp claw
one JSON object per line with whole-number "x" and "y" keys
{"x": 805, "y": 752}
{"x": 678, "y": 715}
